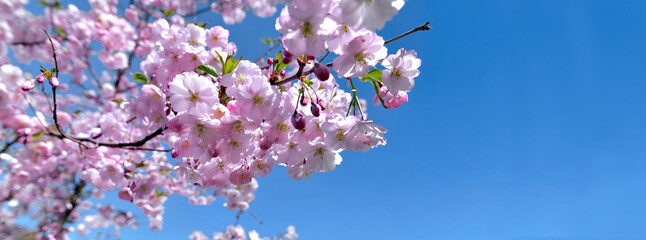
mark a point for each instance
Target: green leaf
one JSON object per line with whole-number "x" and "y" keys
{"x": 230, "y": 65}
{"x": 140, "y": 77}
{"x": 56, "y": 5}
{"x": 117, "y": 100}
{"x": 37, "y": 136}
{"x": 266, "y": 40}
{"x": 167, "y": 13}
{"x": 208, "y": 69}
{"x": 160, "y": 194}
{"x": 61, "y": 32}
{"x": 374, "y": 74}
{"x": 308, "y": 82}
{"x": 141, "y": 165}
{"x": 79, "y": 111}
{"x": 219, "y": 56}
{"x": 279, "y": 62}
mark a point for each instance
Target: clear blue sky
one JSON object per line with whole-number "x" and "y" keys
{"x": 527, "y": 121}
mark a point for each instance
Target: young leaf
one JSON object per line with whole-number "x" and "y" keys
{"x": 374, "y": 74}
{"x": 230, "y": 65}
{"x": 167, "y": 13}
{"x": 140, "y": 77}
{"x": 208, "y": 69}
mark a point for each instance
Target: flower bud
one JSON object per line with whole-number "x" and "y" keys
{"x": 40, "y": 78}
{"x": 282, "y": 73}
{"x": 302, "y": 100}
{"x": 310, "y": 57}
{"x": 126, "y": 194}
{"x": 28, "y": 85}
{"x": 320, "y": 103}
{"x": 265, "y": 143}
{"x": 174, "y": 154}
{"x": 270, "y": 61}
{"x": 54, "y": 81}
{"x": 321, "y": 72}
{"x": 315, "y": 109}
{"x": 287, "y": 57}
{"x": 298, "y": 121}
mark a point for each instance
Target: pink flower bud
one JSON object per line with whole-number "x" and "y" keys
{"x": 320, "y": 103}
{"x": 282, "y": 73}
{"x": 287, "y": 57}
{"x": 40, "y": 78}
{"x": 315, "y": 110}
{"x": 265, "y": 143}
{"x": 298, "y": 121}
{"x": 302, "y": 100}
{"x": 321, "y": 72}
{"x": 28, "y": 85}
{"x": 54, "y": 81}
{"x": 270, "y": 61}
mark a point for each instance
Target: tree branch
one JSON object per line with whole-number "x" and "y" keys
{"x": 422, "y": 27}
{"x": 12, "y": 142}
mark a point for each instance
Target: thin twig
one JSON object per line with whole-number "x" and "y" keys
{"x": 12, "y": 142}
{"x": 422, "y": 27}
{"x": 28, "y": 43}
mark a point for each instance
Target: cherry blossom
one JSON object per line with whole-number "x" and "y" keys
{"x": 139, "y": 102}
{"x": 361, "y": 53}
{"x": 401, "y": 70}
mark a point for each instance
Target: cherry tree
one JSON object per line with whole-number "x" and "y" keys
{"x": 193, "y": 118}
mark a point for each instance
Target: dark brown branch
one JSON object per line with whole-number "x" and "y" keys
{"x": 12, "y": 142}
{"x": 422, "y": 27}
{"x": 28, "y": 43}
{"x": 148, "y": 149}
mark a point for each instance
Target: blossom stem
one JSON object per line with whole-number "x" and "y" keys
{"x": 356, "y": 99}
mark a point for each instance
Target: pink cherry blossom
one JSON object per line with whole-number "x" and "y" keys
{"x": 192, "y": 94}
{"x": 401, "y": 69}
{"x": 363, "y": 52}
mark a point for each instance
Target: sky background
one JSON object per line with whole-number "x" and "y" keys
{"x": 526, "y": 122}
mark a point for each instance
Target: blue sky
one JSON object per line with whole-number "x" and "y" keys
{"x": 526, "y": 122}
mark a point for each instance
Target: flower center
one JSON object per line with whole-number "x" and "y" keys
{"x": 361, "y": 58}
{"x": 193, "y": 97}
{"x": 307, "y": 29}
{"x": 257, "y": 100}
{"x": 319, "y": 152}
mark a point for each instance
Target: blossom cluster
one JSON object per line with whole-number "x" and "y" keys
{"x": 238, "y": 233}
{"x": 198, "y": 121}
